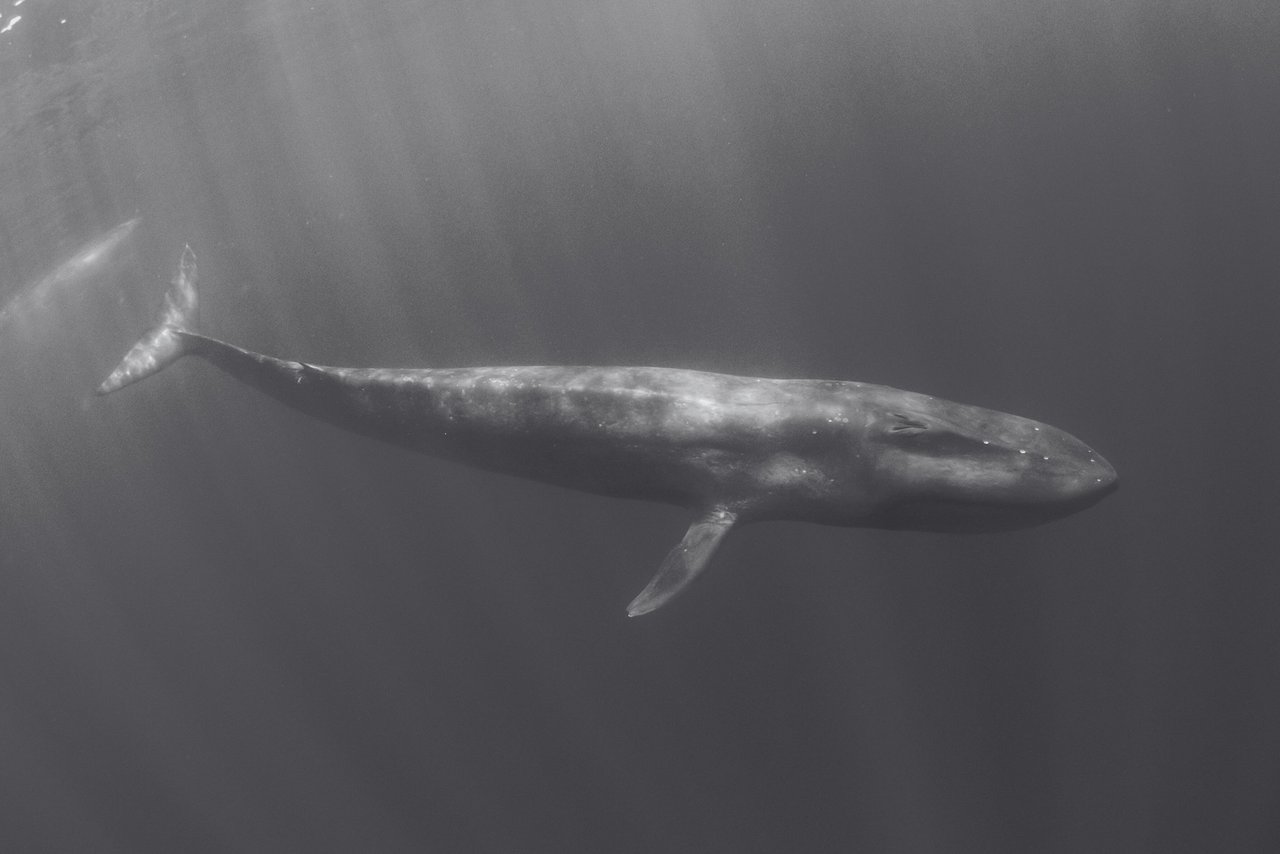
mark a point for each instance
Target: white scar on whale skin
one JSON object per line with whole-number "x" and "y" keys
{"x": 732, "y": 449}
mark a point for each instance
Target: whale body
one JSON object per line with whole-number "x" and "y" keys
{"x": 92, "y": 256}
{"x": 732, "y": 449}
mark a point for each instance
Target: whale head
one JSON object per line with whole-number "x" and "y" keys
{"x": 944, "y": 466}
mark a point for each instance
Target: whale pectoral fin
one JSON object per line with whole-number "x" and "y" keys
{"x": 683, "y": 563}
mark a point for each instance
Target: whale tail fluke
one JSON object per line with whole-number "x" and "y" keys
{"x": 163, "y": 344}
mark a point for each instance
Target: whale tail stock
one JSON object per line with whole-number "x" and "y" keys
{"x": 163, "y": 344}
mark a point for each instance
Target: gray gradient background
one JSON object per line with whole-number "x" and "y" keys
{"x": 226, "y": 628}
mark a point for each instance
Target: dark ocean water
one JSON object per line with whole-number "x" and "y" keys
{"x": 227, "y": 628}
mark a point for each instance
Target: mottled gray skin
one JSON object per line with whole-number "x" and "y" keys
{"x": 839, "y": 453}
{"x": 734, "y": 449}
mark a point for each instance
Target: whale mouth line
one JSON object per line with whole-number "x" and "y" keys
{"x": 959, "y": 516}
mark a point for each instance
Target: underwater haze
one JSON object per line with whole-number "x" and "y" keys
{"x": 226, "y": 627}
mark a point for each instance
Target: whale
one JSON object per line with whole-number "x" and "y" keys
{"x": 731, "y": 449}
{"x": 36, "y": 297}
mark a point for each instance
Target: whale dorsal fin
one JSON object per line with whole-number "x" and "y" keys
{"x": 683, "y": 563}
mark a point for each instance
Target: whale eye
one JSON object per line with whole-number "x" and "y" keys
{"x": 907, "y": 426}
